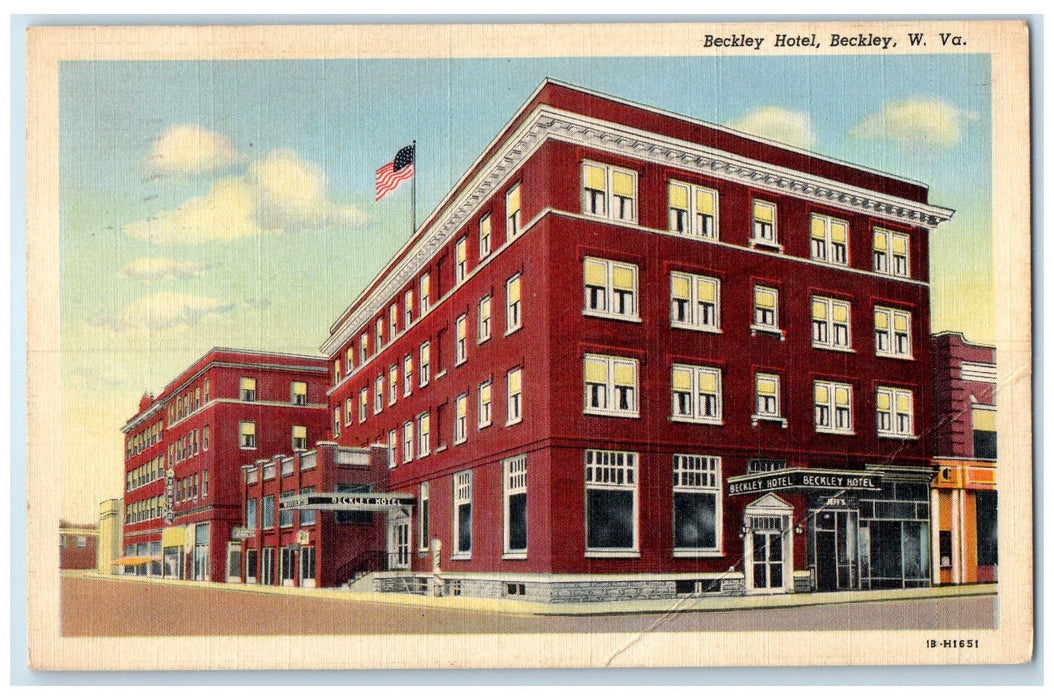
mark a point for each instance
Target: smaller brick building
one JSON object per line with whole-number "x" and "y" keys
{"x": 77, "y": 545}
{"x": 964, "y": 508}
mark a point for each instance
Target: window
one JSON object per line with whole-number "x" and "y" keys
{"x": 424, "y": 429}
{"x": 299, "y": 437}
{"x": 985, "y": 441}
{"x": 363, "y": 403}
{"x": 336, "y": 422}
{"x": 408, "y": 308}
{"x": 463, "y": 514}
{"x": 483, "y": 330}
{"x": 514, "y": 406}
{"x": 764, "y": 223}
{"x": 484, "y": 405}
{"x": 512, "y": 213}
{"x": 426, "y": 363}
{"x": 285, "y": 515}
{"x": 393, "y": 448}
{"x": 892, "y": 332}
{"x": 378, "y": 341}
{"x": 247, "y": 389}
{"x": 766, "y": 309}
{"x": 693, "y": 210}
{"x": 336, "y": 371}
{"x": 515, "y": 501}
{"x": 378, "y": 394}
{"x": 247, "y": 435}
{"x": 250, "y": 514}
{"x": 610, "y": 385}
{"x": 611, "y": 501}
{"x": 364, "y": 348}
{"x": 830, "y": 323}
{"x": 461, "y": 419}
{"x": 393, "y": 384}
{"x": 349, "y": 358}
{"x": 347, "y": 411}
{"x": 484, "y": 237}
{"x": 307, "y": 517}
{"x": 298, "y": 391}
{"x": 393, "y": 321}
{"x": 696, "y": 393}
{"x": 408, "y": 375}
{"x": 767, "y": 396}
{"x": 267, "y": 515}
{"x": 206, "y": 391}
{"x": 197, "y": 404}
{"x": 408, "y": 441}
{"x": 834, "y": 407}
{"x": 426, "y": 293}
{"x": 609, "y": 192}
{"x": 422, "y": 519}
{"x": 695, "y": 302}
{"x": 512, "y": 304}
{"x": 829, "y": 238}
{"x": 986, "y": 521}
{"x": 610, "y": 288}
{"x": 461, "y": 341}
{"x": 896, "y": 414}
{"x": 891, "y": 253}
{"x": 460, "y": 260}
{"x": 696, "y": 504}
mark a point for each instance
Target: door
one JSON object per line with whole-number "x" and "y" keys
{"x": 767, "y": 561}
{"x": 768, "y": 546}
{"x": 835, "y": 549}
{"x": 399, "y": 543}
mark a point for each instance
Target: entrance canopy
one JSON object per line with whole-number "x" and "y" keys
{"x": 372, "y": 502}
{"x": 134, "y": 560}
{"x": 804, "y": 480}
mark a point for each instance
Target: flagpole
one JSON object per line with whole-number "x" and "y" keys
{"x": 413, "y": 194}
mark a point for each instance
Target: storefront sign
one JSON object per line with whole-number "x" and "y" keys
{"x": 803, "y": 480}
{"x": 348, "y": 501}
{"x": 241, "y": 533}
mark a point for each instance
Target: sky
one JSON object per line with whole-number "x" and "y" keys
{"x": 230, "y": 203}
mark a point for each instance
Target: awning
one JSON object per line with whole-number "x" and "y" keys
{"x": 134, "y": 560}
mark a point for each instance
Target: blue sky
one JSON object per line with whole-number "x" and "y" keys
{"x": 144, "y": 293}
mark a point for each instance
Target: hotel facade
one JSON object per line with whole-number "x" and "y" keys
{"x": 633, "y": 354}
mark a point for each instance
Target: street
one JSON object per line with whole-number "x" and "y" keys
{"x": 116, "y": 607}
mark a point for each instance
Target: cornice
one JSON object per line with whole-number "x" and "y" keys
{"x": 547, "y": 122}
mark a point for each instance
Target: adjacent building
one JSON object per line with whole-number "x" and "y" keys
{"x": 184, "y": 450}
{"x": 111, "y": 524}
{"x": 78, "y": 545}
{"x": 633, "y": 354}
{"x": 964, "y": 495}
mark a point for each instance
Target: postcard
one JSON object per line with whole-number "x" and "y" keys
{"x": 520, "y": 346}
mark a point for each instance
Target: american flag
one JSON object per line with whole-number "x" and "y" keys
{"x": 390, "y": 175}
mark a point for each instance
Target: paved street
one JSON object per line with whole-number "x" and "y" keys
{"x": 127, "y": 607}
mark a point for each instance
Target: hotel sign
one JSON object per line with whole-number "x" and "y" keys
{"x": 170, "y": 496}
{"x": 348, "y": 501}
{"x": 803, "y": 480}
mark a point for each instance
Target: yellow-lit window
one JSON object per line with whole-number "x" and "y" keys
{"x": 610, "y": 385}
{"x": 764, "y": 222}
{"x": 693, "y": 210}
{"x": 695, "y": 301}
{"x": 609, "y": 192}
{"x": 829, "y": 239}
{"x": 247, "y": 389}
{"x": 833, "y": 407}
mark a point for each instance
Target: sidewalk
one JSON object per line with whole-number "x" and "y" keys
{"x": 627, "y": 607}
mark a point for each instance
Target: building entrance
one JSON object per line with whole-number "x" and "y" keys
{"x": 399, "y": 542}
{"x": 768, "y": 548}
{"x": 834, "y": 550}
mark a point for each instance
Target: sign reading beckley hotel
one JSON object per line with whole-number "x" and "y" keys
{"x": 611, "y": 332}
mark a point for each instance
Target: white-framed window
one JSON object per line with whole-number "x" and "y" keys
{"x": 512, "y": 213}
{"x": 696, "y": 504}
{"x": 378, "y": 394}
{"x": 425, "y": 364}
{"x": 378, "y": 341}
{"x": 512, "y": 304}
{"x": 484, "y": 404}
{"x": 393, "y": 448}
{"x": 336, "y": 422}
{"x": 514, "y": 405}
{"x": 463, "y": 514}
{"x": 285, "y": 515}
{"x": 460, "y": 419}
{"x": 461, "y": 339}
{"x": 267, "y": 512}
{"x": 426, "y": 293}
{"x": 767, "y": 397}
{"x": 299, "y": 437}
{"x": 830, "y": 324}
{"x": 460, "y": 260}
{"x": 896, "y": 412}
{"x": 766, "y": 308}
{"x": 610, "y": 386}
{"x": 250, "y": 513}
{"x": 611, "y": 502}
{"x": 515, "y": 504}
{"x": 393, "y": 321}
{"x": 408, "y": 308}
{"x": 247, "y": 389}
{"x": 833, "y": 407}
{"x": 349, "y": 358}
{"x": 206, "y": 393}
{"x": 247, "y": 435}
{"x": 764, "y": 223}
{"x": 363, "y": 403}
{"x": 484, "y": 237}
{"x": 423, "y": 514}
{"x": 696, "y": 393}
{"x": 424, "y": 433}
{"x": 408, "y": 375}
{"x": 891, "y": 253}
{"x": 393, "y": 384}
{"x": 205, "y": 439}
{"x": 829, "y": 239}
{"x": 347, "y": 412}
{"x": 483, "y": 326}
{"x": 307, "y": 517}
{"x": 609, "y": 191}
{"x": 693, "y": 210}
{"x": 892, "y": 332}
{"x": 298, "y": 393}
{"x": 408, "y": 441}
{"x": 610, "y": 288}
{"x": 364, "y": 348}
{"x": 695, "y": 302}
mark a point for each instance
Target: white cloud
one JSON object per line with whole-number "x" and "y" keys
{"x": 778, "y": 124}
{"x": 163, "y": 311}
{"x": 190, "y": 149}
{"x": 152, "y": 269}
{"x": 280, "y": 193}
{"x": 917, "y": 123}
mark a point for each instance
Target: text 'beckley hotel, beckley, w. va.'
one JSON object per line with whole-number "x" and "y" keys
{"x": 630, "y": 354}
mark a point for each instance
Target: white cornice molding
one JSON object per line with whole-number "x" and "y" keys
{"x": 547, "y": 122}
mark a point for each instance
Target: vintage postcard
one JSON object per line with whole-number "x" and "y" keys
{"x": 579, "y": 345}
